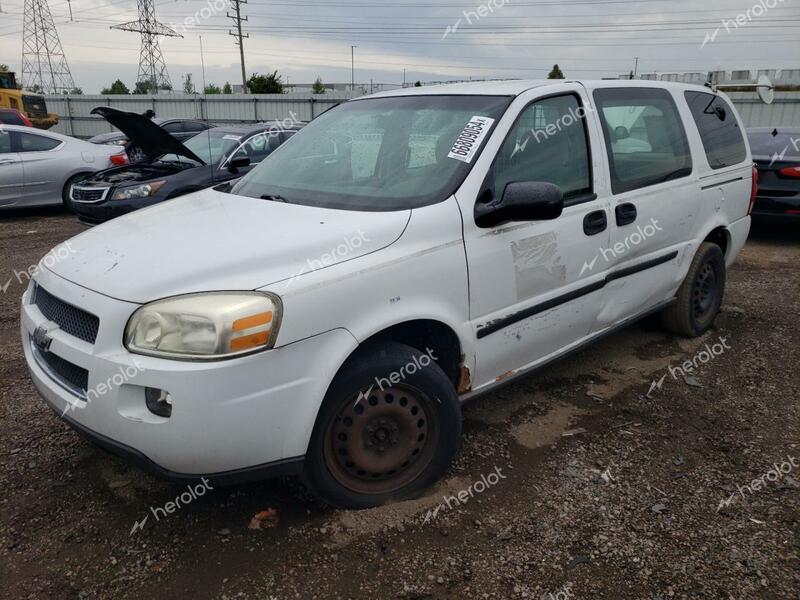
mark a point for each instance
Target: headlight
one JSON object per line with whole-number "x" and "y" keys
{"x": 138, "y": 191}
{"x": 207, "y": 326}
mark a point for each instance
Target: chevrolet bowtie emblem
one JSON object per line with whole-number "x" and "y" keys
{"x": 41, "y": 336}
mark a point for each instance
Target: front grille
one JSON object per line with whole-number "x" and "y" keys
{"x": 71, "y": 319}
{"x": 82, "y": 194}
{"x": 65, "y": 372}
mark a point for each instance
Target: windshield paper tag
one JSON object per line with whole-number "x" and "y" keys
{"x": 469, "y": 140}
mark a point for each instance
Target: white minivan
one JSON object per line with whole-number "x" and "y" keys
{"x": 328, "y": 313}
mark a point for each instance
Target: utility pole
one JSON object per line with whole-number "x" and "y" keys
{"x": 237, "y": 19}
{"x": 352, "y": 68}
{"x": 635, "y": 66}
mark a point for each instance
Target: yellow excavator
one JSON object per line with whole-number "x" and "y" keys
{"x": 32, "y": 106}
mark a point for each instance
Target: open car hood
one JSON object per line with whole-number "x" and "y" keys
{"x": 145, "y": 134}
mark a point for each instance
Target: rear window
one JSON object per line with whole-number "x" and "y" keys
{"x": 769, "y": 143}
{"x": 30, "y": 142}
{"x": 719, "y": 130}
{"x": 644, "y": 135}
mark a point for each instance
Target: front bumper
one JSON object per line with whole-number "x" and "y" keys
{"x": 231, "y": 420}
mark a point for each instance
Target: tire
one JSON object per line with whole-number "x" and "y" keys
{"x": 373, "y": 442}
{"x": 700, "y": 295}
{"x": 68, "y": 204}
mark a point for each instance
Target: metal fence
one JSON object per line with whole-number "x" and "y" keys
{"x": 74, "y": 117}
{"x": 76, "y": 120}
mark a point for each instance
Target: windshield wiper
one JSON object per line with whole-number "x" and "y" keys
{"x": 274, "y": 198}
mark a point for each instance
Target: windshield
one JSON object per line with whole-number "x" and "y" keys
{"x": 763, "y": 143}
{"x": 210, "y": 145}
{"x": 379, "y": 154}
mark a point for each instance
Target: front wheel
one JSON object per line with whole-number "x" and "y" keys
{"x": 65, "y": 193}
{"x": 388, "y": 428}
{"x": 700, "y": 295}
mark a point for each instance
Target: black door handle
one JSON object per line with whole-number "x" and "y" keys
{"x": 595, "y": 222}
{"x": 626, "y": 214}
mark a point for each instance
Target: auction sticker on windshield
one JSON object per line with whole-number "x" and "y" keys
{"x": 469, "y": 140}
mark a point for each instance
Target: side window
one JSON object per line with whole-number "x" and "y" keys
{"x": 722, "y": 139}
{"x": 547, "y": 143}
{"x": 644, "y": 135}
{"x": 5, "y": 141}
{"x": 174, "y": 127}
{"x": 194, "y": 126}
{"x": 258, "y": 147}
{"x": 30, "y": 142}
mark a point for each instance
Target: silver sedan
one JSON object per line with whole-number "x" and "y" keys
{"x": 39, "y": 167}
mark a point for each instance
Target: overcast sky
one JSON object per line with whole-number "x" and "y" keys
{"x": 304, "y": 39}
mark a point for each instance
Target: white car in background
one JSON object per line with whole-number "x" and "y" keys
{"x": 328, "y": 313}
{"x": 38, "y": 167}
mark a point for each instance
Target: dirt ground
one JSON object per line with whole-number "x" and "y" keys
{"x": 587, "y": 480}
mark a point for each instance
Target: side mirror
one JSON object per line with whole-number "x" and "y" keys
{"x": 522, "y": 201}
{"x": 238, "y": 163}
{"x": 621, "y": 133}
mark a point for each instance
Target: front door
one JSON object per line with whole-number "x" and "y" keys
{"x": 531, "y": 294}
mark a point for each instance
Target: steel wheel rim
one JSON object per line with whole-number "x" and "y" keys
{"x": 381, "y": 439}
{"x": 704, "y": 291}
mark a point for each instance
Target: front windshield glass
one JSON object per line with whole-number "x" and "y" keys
{"x": 210, "y": 145}
{"x": 378, "y": 154}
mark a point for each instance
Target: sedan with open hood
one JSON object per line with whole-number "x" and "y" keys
{"x": 170, "y": 168}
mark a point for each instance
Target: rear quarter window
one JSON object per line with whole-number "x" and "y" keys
{"x": 722, "y": 137}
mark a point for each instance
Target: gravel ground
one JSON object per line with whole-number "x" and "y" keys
{"x": 586, "y": 481}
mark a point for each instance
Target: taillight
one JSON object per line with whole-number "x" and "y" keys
{"x": 119, "y": 160}
{"x": 793, "y": 172}
{"x": 26, "y": 120}
{"x": 753, "y": 190}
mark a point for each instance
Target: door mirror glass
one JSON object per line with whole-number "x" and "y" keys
{"x": 522, "y": 201}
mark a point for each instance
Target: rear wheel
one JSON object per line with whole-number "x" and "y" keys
{"x": 700, "y": 296}
{"x": 388, "y": 428}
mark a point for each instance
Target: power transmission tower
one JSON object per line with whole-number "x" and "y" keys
{"x": 44, "y": 66}
{"x": 152, "y": 69}
{"x": 237, "y": 20}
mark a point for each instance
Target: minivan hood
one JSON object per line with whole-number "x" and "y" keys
{"x": 145, "y": 134}
{"x": 213, "y": 241}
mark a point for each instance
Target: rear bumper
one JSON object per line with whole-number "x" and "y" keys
{"x": 776, "y": 208}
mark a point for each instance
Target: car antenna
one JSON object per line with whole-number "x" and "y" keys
{"x": 208, "y": 125}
